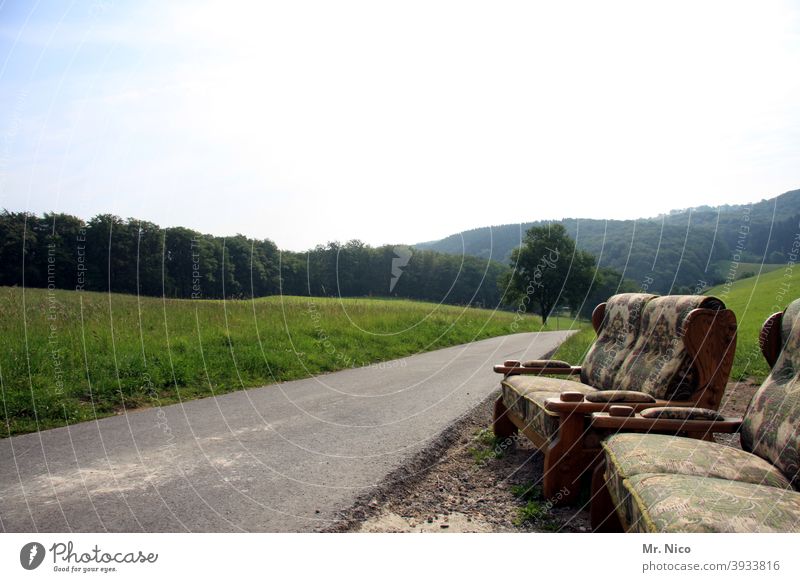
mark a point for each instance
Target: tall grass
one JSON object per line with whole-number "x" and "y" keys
{"x": 753, "y": 300}
{"x": 67, "y": 357}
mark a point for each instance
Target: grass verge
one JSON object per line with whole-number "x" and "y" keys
{"x": 67, "y": 357}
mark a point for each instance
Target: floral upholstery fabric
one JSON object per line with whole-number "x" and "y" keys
{"x": 619, "y": 396}
{"x": 771, "y": 426}
{"x": 530, "y": 408}
{"x": 615, "y": 339}
{"x": 681, "y": 413}
{"x": 687, "y": 503}
{"x": 659, "y": 363}
{"x": 630, "y": 454}
{"x": 525, "y": 384}
{"x": 525, "y": 395}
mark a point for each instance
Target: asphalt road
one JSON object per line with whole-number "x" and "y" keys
{"x": 285, "y": 457}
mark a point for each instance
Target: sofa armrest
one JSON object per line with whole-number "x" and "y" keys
{"x": 575, "y": 403}
{"x": 510, "y": 367}
{"x": 625, "y": 418}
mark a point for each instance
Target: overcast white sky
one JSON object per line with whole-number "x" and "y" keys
{"x": 394, "y": 122}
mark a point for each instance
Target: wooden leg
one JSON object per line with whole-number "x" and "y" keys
{"x": 603, "y": 513}
{"x": 565, "y": 461}
{"x": 502, "y": 425}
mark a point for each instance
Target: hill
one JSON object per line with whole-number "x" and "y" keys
{"x": 68, "y": 356}
{"x": 677, "y": 252}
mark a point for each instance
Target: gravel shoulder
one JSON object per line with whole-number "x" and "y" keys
{"x": 461, "y": 485}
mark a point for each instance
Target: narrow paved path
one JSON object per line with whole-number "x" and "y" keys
{"x": 285, "y": 457}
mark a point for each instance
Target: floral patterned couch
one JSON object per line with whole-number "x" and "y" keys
{"x": 639, "y": 351}
{"x": 650, "y": 351}
{"x": 661, "y": 483}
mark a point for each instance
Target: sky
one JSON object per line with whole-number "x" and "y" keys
{"x": 394, "y": 122}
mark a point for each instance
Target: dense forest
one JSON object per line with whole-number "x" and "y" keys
{"x": 678, "y": 252}
{"x": 108, "y": 253}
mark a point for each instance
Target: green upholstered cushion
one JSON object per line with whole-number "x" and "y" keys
{"x": 619, "y": 396}
{"x": 631, "y": 454}
{"x": 687, "y": 503}
{"x": 681, "y": 413}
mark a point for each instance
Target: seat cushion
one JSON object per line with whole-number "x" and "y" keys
{"x": 687, "y": 503}
{"x": 524, "y": 384}
{"x": 525, "y": 396}
{"x": 631, "y": 454}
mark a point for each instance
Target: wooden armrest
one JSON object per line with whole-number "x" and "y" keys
{"x": 574, "y": 405}
{"x": 608, "y": 421}
{"x": 512, "y": 370}
{"x": 583, "y": 406}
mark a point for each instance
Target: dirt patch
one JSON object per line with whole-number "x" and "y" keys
{"x": 468, "y": 487}
{"x": 462, "y": 484}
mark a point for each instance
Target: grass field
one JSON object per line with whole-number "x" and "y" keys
{"x": 743, "y": 270}
{"x": 67, "y": 357}
{"x": 752, "y": 299}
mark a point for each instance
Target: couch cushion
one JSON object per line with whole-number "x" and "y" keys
{"x": 526, "y": 383}
{"x": 691, "y": 504}
{"x": 619, "y": 396}
{"x": 525, "y": 395}
{"x": 682, "y": 413}
{"x": 659, "y": 363}
{"x": 530, "y": 408}
{"x": 630, "y": 454}
{"x": 615, "y": 339}
{"x": 771, "y": 426}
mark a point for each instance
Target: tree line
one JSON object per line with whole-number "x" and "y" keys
{"x": 108, "y": 253}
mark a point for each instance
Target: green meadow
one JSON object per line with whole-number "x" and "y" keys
{"x": 752, "y": 299}
{"x": 66, "y": 357}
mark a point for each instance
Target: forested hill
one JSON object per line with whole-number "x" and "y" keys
{"x": 107, "y": 253}
{"x": 677, "y": 251}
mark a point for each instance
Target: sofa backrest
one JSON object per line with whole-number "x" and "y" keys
{"x": 615, "y": 339}
{"x": 772, "y": 422}
{"x": 660, "y": 362}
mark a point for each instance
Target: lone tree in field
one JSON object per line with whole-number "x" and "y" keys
{"x": 548, "y": 270}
